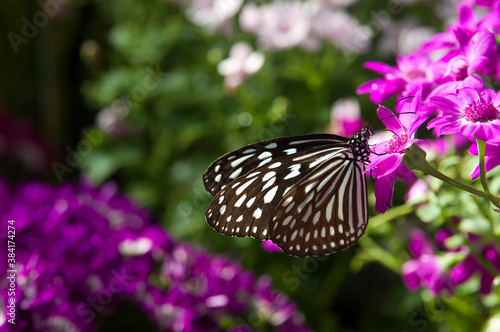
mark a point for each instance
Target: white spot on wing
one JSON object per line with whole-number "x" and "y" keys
{"x": 257, "y": 213}
{"x": 294, "y": 172}
{"x": 269, "y": 183}
{"x": 218, "y": 178}
{"x": 240, "y": 201}
{"x": 274, "y": 165}
{"x": 286, "y": 221}
{"x": 270, "y": 195}
{"x": 264, "y": 155}
{"x": 271, "y": 146}
{"x": 268, "y": 176}
{"x": 250, "y": 201}
{"x": 316, "y": 217}
{"x": 239, "y": 160}
{"x": 244, "y": 186}
{"x": 236, "y": 173}
{"x": 265, "y": 161}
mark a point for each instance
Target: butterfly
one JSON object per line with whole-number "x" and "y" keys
{"x": 306, "y": 193}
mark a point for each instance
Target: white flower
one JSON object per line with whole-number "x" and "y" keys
{"x": 212, "y": 13}
{"x": 278, "y": 25}
{"x": 242, "y": 63}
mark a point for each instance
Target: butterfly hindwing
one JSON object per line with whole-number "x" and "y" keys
{"x": 326, "y": 212}
{"x": 241, "y": 161}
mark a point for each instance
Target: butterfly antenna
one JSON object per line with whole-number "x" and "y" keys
{"x": 390, "y": 110}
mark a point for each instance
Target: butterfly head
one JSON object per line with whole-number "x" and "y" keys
{"x": 362, "y": 136}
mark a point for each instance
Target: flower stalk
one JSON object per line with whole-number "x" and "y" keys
{"x": 481, "y": 147}
{"x": 414, "y": 159}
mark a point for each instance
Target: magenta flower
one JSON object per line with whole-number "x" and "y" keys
{"x": 492, "y": 156}
{"x": 468, "y": 111}
{"x": 386, "y": 157}
{"x": 425, "y": 269}
{"x": 476, "y": 53}
{"x": 470, "y": 265}
{"x": 270, "y": 246}
{"x": 407, "y": 76}
{"x": 346, "y": 117}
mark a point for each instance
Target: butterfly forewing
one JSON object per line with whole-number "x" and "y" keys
{"x": 305, "y": 193}
{"x": 239, "y": 162}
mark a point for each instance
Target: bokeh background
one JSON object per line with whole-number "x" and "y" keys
{"x": 132, "y": 92}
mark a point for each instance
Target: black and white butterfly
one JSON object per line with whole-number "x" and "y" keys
{"x": 305, "y": 193}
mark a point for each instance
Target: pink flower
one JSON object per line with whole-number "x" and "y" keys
{"x": 242, "y": 63}
{"x": 476, "y": 53}
{"x": 386, "y": 157}
{"x": 492, "y": 156}
{"x": 468, "y": 111}
{"x": 407, "y": 76}
{"x": 346, "y": 117}
{"x": 269, "y": 246}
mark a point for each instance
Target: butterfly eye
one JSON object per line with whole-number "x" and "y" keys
{"x": 305, "y": 193}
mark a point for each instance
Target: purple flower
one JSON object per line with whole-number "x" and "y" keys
{"x": 386, "y": 157}
{"x": 346, "y": 117}
{"x": 469, "y": 112}
{"x": 476, "y": 53}
{"x": 81, "y": 250}
{"x": 470, "y": 265}
{"x": 464, "y": 270}
{"x": 491, "y": 159}
{"x": 242, "y": 63}
{"x": 270, "y": 246}
{"x": 425, "y": 269}
{"x": 410, "y": 74}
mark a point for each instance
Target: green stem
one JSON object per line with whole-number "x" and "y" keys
{"x": 414, "y": 159}
{"x": 481, "y": 147}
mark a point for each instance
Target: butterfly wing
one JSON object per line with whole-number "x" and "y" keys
{"x": 246, "y": 205}
{"x": 325, "y": 212}
{"x": 240, "y": 162}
